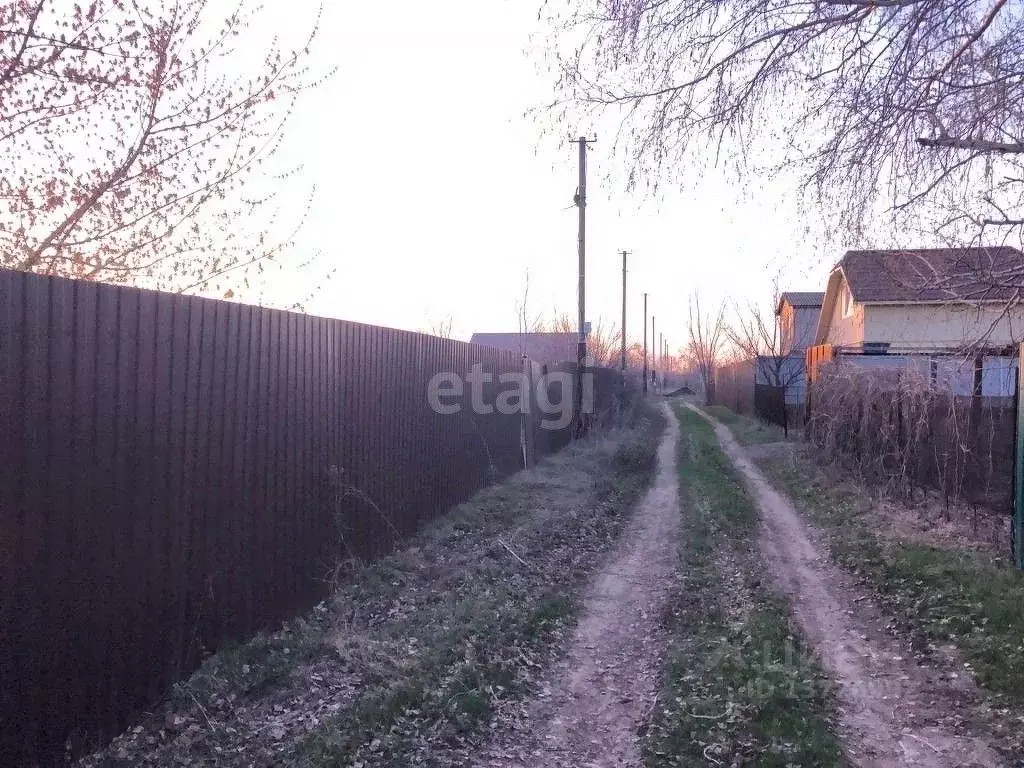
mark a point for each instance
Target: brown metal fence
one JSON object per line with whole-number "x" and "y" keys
{"x": 177, "y": 471}
{"x": 734, "y": 387}
{"x": 816, "y": 357}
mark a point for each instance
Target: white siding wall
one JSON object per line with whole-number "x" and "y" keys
{"x": 935, "y": 325}
{"x": 845, "y": 331}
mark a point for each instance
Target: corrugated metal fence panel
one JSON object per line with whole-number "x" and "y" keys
{"x": 175, "y": 471}
{"x": 816, "y": 356}
{"x": 734, "y": 386}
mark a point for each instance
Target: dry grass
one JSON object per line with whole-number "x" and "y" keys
{"x": 890, "y": 429}
{"x": 421, "y": 652}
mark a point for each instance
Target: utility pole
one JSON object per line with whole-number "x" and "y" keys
{"x": 624, "y": 254}
{"x": 645, "y": 345}
{"x": 664, "y": 351}
{"x": 654, "y": 348}
{"x": 581, "y": 346}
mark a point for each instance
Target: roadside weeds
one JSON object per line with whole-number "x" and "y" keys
{"x": 954, "y": 606}
{"x": 418, "y": 656}
{"x": 740, "y": 685}
{"x": 940, "y": 598}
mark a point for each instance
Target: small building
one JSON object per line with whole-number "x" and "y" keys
{"x": 798, "y": 312}
{"x": 544, "y": 348}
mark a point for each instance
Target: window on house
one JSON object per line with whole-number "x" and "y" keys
{"x": 847, "y": 301}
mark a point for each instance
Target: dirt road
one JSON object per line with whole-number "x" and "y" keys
{"x": 892, "y": 711}
{"x": 601, "y": 691}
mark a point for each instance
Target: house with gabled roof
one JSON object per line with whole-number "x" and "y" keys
{"x": 798, "y": 312}
{"x": 921, "y": 300}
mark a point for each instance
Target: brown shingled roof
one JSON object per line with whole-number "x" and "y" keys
{"x": 803, "y": 298}
{"x": 800, "y": 299}
{"x": 935, "y": 274}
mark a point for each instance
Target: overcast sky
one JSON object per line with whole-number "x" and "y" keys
{"x": 435, "y": 195}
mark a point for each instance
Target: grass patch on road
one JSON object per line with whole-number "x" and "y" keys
{"x": 747, "y": 430}
{"x": 965, "y": 597}
{"x": 418, "y": 655}
{"x": 739, "y": 685}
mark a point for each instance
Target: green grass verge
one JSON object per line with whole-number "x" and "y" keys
{"x": 739, "y": 688}
{"x": 747, "y": 430}
{"x": 964, "y": 597}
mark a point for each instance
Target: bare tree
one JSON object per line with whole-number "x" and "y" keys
{"x": 707, "y": 336}
{"x": 757, "y": 336}
{"x": 526, "y": 323}
{"x": 442, "y": 327}
{"x": 914, "y": 102}
{"x": 129, "y": 131}
{"x": 634, "y": 355}
{"x": 522, "y": 313}
{"x": 604, "y": 344}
